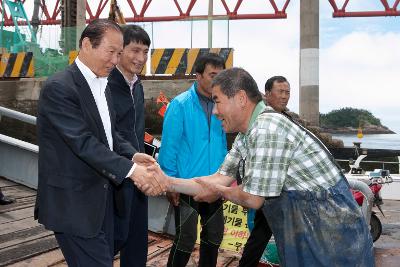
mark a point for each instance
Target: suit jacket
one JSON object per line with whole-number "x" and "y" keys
{"x": 129, "y": 109}
{"x": 76, "y": 166}
{"x": 129, "y": 112}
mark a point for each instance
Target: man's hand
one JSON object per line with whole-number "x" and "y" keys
{"x": 238, "y": 196}
{"x": 143, "y": 159}
{"x": 209, "y": 192}
{"x": 141, "y": 178}
{"x": 173, "y": 198}
{"x": 231, "y": 193}
{"x": 146, "y": 181}
{"x": 162, "y": 179}
{"x": 150, "y": 180}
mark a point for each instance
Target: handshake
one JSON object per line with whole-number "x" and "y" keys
{"x": 152, "y": 181}
{"x": 148, "y": 176}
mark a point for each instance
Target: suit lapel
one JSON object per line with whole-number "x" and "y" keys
{"x": 88, "y": 99}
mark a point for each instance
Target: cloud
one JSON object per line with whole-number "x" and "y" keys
{"x": 361, "y": 69}
{"x": 358, "y": 68}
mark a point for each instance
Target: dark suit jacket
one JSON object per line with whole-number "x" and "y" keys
{"x": 76, "y": 166}
{"x": 129, "y": 111}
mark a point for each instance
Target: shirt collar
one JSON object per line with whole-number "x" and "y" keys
{"x": 201, "y": 97}
{"x": 260, "y": 107}
{"x": 90, "y": 76}
{"x": 86, "y": 72}
{"x": 130, "y": 83}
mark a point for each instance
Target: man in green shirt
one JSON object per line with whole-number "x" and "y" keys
{"x": 277, "y": 94}
{"x": 290, "y": 174}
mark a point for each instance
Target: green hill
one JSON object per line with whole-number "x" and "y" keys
{"x": 347, "y": 120}
{"x": 348, "y": 117}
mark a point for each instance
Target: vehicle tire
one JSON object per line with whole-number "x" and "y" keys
{"x": 375, "y": 227}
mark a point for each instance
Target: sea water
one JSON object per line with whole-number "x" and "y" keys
{"x": 379, "y": 141}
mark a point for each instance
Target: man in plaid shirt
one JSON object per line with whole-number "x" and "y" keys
{"x": 287, "y": 172}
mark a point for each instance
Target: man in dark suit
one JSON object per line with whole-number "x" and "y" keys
{"x": 81, "y": 155}
{"x": 128, "y": 97}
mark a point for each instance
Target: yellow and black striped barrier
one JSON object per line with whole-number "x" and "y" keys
{"x": 182, "y": 60}
{"x": 16, "y": 65}
{"x": 71, "y": 56}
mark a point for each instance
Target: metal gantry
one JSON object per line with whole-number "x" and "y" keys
{"x": 138, "y": 13}
{"x": 386, "y": 10}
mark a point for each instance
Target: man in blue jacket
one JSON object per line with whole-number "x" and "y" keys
{"x": 194, "y": 144}
{"x": 128, "y": 97}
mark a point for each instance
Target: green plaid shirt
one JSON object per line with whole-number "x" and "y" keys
{"x": 278, "y": 155}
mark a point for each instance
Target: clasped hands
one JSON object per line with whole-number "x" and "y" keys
{"x": 148, "y": 176}
{"x": 210, "y": 192}
{"x": 152, "y": 181}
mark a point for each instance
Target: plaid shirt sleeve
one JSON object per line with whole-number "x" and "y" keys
{"x": 268, "y": 158}
{"x": 231, "y": 162}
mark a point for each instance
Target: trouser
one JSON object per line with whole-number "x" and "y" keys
{"x": 130, "y": 227}
{"x": 257, "y": 241}
{"x": 91, "y": 252}
{"x": 320, "y": 228}
{"x": 212, "y": 230}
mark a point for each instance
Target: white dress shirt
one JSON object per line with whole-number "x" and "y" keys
{"x": 98, "y": 86}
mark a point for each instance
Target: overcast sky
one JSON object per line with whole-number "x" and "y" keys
{"x": 359, "y": 57}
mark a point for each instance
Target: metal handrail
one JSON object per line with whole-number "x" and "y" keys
{"x": 371, "y": 161}
{"x": 17, "y": 115}
{"x": 376, "y": 161}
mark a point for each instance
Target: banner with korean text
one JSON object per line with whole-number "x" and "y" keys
{"x": 236, "y": 230}
{"x": 235, "y": 227}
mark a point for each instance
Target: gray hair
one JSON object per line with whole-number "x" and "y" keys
{"x": 96, "y": 29}
{"x": 233, "y": 80}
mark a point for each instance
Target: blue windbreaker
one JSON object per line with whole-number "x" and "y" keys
{"x": 189, "y": 147}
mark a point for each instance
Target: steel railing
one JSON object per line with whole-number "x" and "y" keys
{"x": 375, "y": 161}
{"x": 17, "y": 115}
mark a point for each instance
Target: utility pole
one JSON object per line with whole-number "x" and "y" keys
{"x": 80, "y": 19}
{"x": 35, "y": 16}
{"x": 210, "y": 22}
{"x": 309, "y": 61}
{"x": 73, "y": 21}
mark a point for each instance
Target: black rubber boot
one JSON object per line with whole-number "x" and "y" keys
{"x": 177, "y": 258}
{"x": 208, "y": 255}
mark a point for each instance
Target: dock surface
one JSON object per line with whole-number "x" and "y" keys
{"x": 24, "y": 242}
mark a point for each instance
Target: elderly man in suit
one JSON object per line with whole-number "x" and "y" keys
{"x": 82, "y": 157}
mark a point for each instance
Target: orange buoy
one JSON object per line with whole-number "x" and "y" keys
{"x": 359, "y": 133}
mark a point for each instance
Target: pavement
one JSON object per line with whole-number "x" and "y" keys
{"x": 387, "y": 247}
